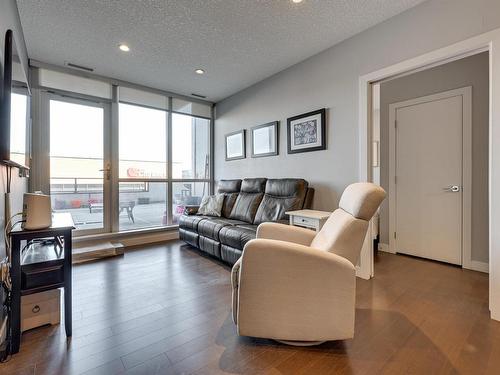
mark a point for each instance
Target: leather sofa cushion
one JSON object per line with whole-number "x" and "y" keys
{"x": 287, "y": 187}
{"x": 229, "y": 201}
{"x": 229, "y": 186}
{"x": 253, "y": 185}
{"x": 230, "y": 254}
{"x": 210, "y": 228}
{"x": 246, "y": 206}
{"x": 190, "y": 222}
{"x": 209, "y": 246}
{"x": 248, "y": 226}
{"x": 237, "y": 236}
{"x": 281, "y": 195}
{"x": 189, "y": 237}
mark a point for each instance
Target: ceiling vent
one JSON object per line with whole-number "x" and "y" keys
{"x": 199, "y": 96}
{"x": 79, "y": 67}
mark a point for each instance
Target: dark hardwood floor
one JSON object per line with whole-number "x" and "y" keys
{"x": 166, "y": 310}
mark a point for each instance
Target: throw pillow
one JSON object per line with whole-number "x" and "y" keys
{"x": 211, "y": 205}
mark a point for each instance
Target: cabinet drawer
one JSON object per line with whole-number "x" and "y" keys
{"x": 304, "y": 221}
{"x": 40, "y": 309}
{"x": 36, "y": 277}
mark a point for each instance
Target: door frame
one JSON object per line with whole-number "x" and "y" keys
{"x": 466, "y": 183}
{"x": 489, "y": 41}
{"x": 106, "y": 106}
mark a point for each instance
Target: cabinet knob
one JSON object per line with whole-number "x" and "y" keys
{"x": 35, "y": 309}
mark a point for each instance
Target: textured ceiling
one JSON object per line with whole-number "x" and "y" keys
{"x": 237, "y": 42}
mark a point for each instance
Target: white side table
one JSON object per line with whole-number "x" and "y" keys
{"x": 308, "y": 218}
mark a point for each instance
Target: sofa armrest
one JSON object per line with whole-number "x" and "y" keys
{"x": 289, "y": 291}
{"x": 191, "y": 210}
{"x": 283, "y": 232}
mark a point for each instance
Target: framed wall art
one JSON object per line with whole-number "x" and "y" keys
{"x": 307, "y": 132}
{"x": 235, "y": 145}
{"x": 265, "y": 139}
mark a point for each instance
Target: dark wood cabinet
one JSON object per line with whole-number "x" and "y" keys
{"x": 41, "y": 260}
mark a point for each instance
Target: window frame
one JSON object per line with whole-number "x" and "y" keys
{"x": 169, "y": 180}
{"x": 37, "y": 134}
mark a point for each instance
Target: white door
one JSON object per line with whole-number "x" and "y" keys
{"x": 429, "y": 177}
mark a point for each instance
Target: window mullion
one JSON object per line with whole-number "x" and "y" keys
{"x": 169, "y": 163}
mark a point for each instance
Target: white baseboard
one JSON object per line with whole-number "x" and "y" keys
{"x": 494, "y": 316}
{"x": 361, "y": 274}
{"x": 475, "y": 265}
{"x": 383, "y": 247}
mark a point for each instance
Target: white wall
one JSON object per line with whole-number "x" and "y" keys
{"x": 330, "y": 79}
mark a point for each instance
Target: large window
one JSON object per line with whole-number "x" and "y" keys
{"x": 190, "y": 147}
{"x": 190, "y": 161}
{"x": 120, "y": 158}
{"x": 143, "y": 167}
{"x": 144, "y": 176}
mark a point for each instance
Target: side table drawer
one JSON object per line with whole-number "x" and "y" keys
{"x": 40, "y": 309}
{"x": 304, "y": 221}
{"x": 37, "y": 277}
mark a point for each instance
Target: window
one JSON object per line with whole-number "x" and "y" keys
{"x": 145, "y": 173}
{"x": 190, "y": 147}
{"x": 185, "y": 194}
{"x": 18, "y": 121}
{"x": 143, "y": 167}
{"x": 133, "y": 168}
{"x": 145, "y": 208}
{"x": 190, "y": 162}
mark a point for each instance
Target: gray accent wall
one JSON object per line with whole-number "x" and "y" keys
{"x": 471, "y": 71}
{"x": 330, "y": 79}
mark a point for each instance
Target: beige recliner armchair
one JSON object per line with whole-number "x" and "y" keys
{"x": 298, "y": 286}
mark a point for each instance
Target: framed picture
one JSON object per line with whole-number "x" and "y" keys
{"x": 265, "y": 139}
{"x": 307, "y": 132}
{"x": 235, "y": 145}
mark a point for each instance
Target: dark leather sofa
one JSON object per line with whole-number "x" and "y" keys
{"x": 247, "y": 203}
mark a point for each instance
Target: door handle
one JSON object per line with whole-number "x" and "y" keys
{"x": 107, "y": 171}
{"x": 452, "y": 189}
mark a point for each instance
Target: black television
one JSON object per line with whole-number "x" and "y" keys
{"x": 6, "y": 106}
{"x": 6, "y": 100}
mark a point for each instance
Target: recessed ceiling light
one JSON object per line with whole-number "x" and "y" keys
{"x": 124, "y": 47}
{"x": 296, "y": 1}
{"x": 199, "y": 71}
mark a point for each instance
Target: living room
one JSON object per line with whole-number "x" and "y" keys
{"x": 287, "y": 186}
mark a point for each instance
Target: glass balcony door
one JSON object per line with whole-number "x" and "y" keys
{"x": 80, "y": 162}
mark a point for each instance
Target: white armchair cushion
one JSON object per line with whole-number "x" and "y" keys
{"x": 283, "y": 232}
{"x": 362, "y": 200}
{"x": 342, "y": 234}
